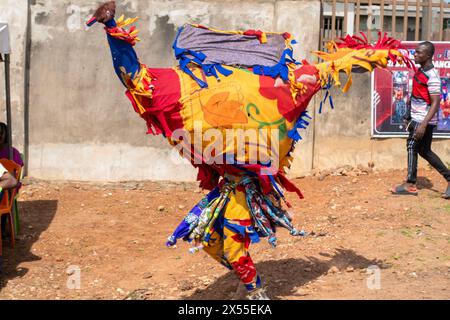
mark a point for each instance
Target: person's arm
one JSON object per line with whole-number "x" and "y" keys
{"x": 420, "y": 131}
{"x": 407, "y": 116}
{"x": 17, "y": 157}
{"x": 7, "y": 181}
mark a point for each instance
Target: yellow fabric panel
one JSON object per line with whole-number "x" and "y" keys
{"x": 344, "y": 59}
{"x": 237, "y": 208}
{"x": 232, "y": 103}
{"x": 233, "y": 250}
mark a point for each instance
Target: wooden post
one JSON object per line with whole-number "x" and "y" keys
{"x": 394, "y": 16}
{"x": 430, "y": 16}
{"x": 8, "y": 104}
{"x": 345, "y": 17}
{"x": 333, "y": 20}
{"x": 369, "y": 18}
{"x": 416, "y": 34}
{"x": 358, "y": 12}
{"x": 441, "y": 22}
{"x": 405, "y": 20}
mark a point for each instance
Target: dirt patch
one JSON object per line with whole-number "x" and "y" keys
{"x": 114, "y": 235}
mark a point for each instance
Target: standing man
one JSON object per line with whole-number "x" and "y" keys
{"x": 425, "y": 100}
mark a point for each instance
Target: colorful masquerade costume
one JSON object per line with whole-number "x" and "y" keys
{"x": 244, "y": 83}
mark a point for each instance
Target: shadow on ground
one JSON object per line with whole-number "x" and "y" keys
{"x": 284, "y": 277}
{"x": 35, "y": 218}
{"x": 425, "y": 183}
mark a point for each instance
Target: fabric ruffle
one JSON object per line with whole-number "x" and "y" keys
{"x": 207, "y": 216}
{"x": 354, "y": 51}
{"x": 119, "y": 32}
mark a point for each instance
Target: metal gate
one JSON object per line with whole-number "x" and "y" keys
{"x": 405, "y": 20}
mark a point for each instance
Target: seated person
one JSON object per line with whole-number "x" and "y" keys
{"x": 7, "y": 181}
{"x": 4, "y": 153}
{"x": 4, "y": 150}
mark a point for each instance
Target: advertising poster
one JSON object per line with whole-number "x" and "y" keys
{"x": 391, "y": 88}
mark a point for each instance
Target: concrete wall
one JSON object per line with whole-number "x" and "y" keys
{"x": 343, "y": 134}
{"x": 82, "y": 126}
{"x": 15, "y": 14}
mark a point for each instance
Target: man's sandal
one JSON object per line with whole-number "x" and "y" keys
{"x": 404, "y": 190}
{"x": 446, "y": 195}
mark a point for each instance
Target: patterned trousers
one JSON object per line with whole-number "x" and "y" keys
{"x": 230, "y": 241}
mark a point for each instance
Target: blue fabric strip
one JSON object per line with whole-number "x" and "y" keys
{"x": 274, "y": 183}
{"x": 280, "y": 69}
{"x": 242, "y": 230}
{"x": 301, "y": 123}
{"x": 327, "y": 87}
{"x": 186, "y": 56}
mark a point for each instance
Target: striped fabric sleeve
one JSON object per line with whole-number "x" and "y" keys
{"x": 434, "y": 82}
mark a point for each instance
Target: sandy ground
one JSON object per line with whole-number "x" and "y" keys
{"x": 113, "y": 236}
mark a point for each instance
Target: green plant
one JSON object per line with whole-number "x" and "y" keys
{"x": 396, "y": 256}
{"x": 447, "y": 208}
{"x": 407, "y": 232}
